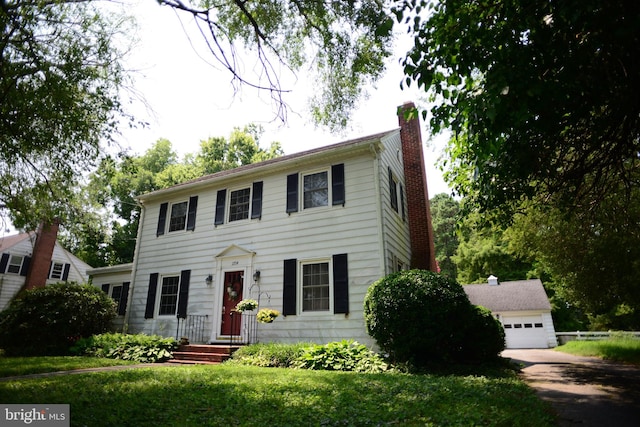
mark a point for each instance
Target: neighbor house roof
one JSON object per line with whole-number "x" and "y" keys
{"x": 10, "y": 241}
{"x": 519, "y": 295}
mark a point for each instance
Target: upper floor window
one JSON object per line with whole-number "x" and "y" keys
{"x": 181, "y": 216}
{"x": 239, "y": 202}
{"x": 15, "y": 264}
{"x": 56, "y": 270}
{"x": 396, "y": 195}
{"x": 243, "y": 203}
{"x": 317, "y": 189}
{"x": 178, "y": 218}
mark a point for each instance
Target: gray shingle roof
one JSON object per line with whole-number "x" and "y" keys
{"x": 519, "y": 295}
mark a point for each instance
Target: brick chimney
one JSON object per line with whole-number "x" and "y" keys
{"x": 415, "y": 179}
{"x": 42, "y": 253}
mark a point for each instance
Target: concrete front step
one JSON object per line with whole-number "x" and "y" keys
{"x": 202, "y": 354}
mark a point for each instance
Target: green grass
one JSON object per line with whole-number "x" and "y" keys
{"x": 620, "y": 350}
{"x": 232, "y": 395}
{"x": 12, "y": 366}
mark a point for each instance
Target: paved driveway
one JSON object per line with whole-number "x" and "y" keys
{"x": 584, "y": 391}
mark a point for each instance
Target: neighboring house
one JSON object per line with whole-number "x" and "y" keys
{"x": 305, "y": 234}
{"x": 17, "y": 262}
{"x": 115, "y": 282}
{"x": 523, "y": 308}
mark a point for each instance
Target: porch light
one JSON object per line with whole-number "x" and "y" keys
{"x": 256, "y": 276}
{"x": 208, "y": 280}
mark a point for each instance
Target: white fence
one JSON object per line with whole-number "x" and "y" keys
{"x": 565, "y": 337}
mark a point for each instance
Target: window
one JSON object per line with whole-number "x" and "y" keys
{"x": 15, "y": 264}
{"x": 315, "y": 287}
{"x": 57, "y": 269}
{"x": 178, "y": 218}
{"x": 239, "y": 204}
{"x": 397, "y": 264}
{"x": 393, "y": 191}
{"x": 169, "y": 295}
{"x": 315, "y": 190}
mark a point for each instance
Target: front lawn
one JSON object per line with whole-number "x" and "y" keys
{"x": 230, "y": 395}
{"x": 12, "y": 366}
{"x": 620, "y": 350}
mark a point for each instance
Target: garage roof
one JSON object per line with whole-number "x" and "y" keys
{"x": 519, "y": 295}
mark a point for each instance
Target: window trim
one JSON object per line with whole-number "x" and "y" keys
{"x": 328, "y": 187}
{"x": 393, "y": 191}
{"x": 317, "y": 261}
{"x": 228, "y": 204}
{"x": 52, "y": 269}
{"x": 9, "y": 264}
{"x": 170, "y": 212}
{"x": 159, "y": 295}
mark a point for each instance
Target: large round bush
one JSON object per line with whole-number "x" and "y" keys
{"x": 419, "y": 317}
{"x": 46, "y": 321}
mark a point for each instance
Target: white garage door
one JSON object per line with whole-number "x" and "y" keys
{"x": 524, "y": 332}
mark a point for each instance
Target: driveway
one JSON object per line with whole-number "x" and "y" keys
{"x": 584, "y": 391}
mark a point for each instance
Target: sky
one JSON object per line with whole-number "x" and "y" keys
{"x": 189, "y": 99}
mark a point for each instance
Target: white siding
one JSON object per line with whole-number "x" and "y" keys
{"x": 112, "y": 276}
{"x": 310, "y": 234}
{"x": 10, "y": 284}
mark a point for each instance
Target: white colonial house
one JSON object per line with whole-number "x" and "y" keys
{"x": 19, "y": 259}
{"x": 305, "y": 234}
{"x": 523, "y": 308}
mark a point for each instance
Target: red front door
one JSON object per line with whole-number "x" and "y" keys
{"x": 231, "y": 295}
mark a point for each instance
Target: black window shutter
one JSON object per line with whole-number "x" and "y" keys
{"x": 65, "y": 273}
{"x": 105, "y": 288}
{"x": 292, "y": 193}
{"x": 289, "y": 288}
{"x": 337, "y": 184}
{"x": 124, "y": 298}
{"x": 220, "y": 201}
{"x": 256, "y": 201}
{"x": 25, "y": 265}
{"x": 404, "y": 214}
{"x": 191, "y": 216}
{"x": 340, "y": 284}
{"x": 183, "y": 294}
{"x": 151, "y": 296}
{"x": 392, "y": 191}
{"x": 162, "y": 218}
{"x": 3, "y": 263}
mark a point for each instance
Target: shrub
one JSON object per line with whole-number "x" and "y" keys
{"x": 341, "y": 356}
{"x": 270, "y": 355}
{"x": 420, "y": 318}
{"x": 47, "y": 321}
{"x": 139, "y": 348}
{"x": 483, "y": 335}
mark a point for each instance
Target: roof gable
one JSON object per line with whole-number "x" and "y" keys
{"x": 8, "y": 242}
{"x": 519, "y": 295}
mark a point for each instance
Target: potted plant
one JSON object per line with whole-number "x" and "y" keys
{"x": 246, "y": 305}
{"x": 267, "y": 315}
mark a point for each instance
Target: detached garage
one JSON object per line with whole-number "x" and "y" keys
{"x": 523, "y": 308}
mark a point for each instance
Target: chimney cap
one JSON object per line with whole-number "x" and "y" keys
{"x": 493, "y": 280}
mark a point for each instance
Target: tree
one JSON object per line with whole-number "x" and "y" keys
{"x": 444, "y": 217}
{"x": 60, "y": 75}
{"x": 346, "y": 42}
{"x": 541, "y": 96}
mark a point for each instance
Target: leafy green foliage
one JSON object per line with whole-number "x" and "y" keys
{"x": 541, "y": 97}
{"x": 345, "y": 43}
{"x": 138, "y": 348}
{"x": 444, "y": 216}
{"x": 47, "y": 321}
{"x": 343, "y": 355}
{"x": 419, "y": 317}
{"x": 60, "y": 78}
{"x": 273, "y": 355}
